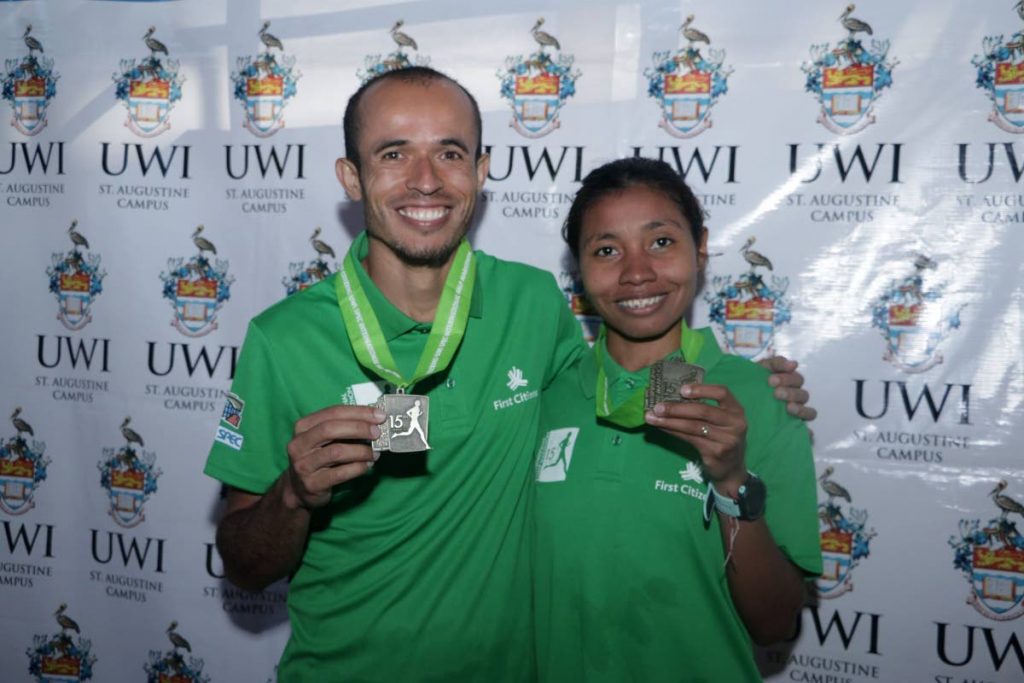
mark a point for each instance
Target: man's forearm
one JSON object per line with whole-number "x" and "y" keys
{"x": 262, "y": 542}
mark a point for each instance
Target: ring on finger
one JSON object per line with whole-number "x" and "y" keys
{"x": 704, "y": 430}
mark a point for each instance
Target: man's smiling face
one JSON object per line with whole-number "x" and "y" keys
{"x": 418, "y": 177}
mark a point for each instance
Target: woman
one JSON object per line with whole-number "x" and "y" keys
{"x": 635, "y": 579}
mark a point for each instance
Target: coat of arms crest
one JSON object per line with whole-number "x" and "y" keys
{"x": 991, "y": 557}
{"x": 265, "y": 84}
{"x": 747, "y": 309}
{"x": 76, "y": 280}
{"x": 913, "y": 320}
{"x": 1001, "y": 73}
{"x": 848, "y": 78}
{"x": 687, "y": 84}
{"x": 197, "y": 288}
{"x": 149, "y": 88}
{"x": 29, "y": 84}
{"x": 538, "y": 86}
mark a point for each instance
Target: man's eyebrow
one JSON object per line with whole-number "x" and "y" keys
{"x": 387, "y": 144}
{"x": 455, "y": 142}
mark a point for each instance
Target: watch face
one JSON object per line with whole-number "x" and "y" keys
{"x": 752, "y": 498}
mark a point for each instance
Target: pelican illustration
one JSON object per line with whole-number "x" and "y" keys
{"x": 543, "y": 38}
{"x": 77, "y": 238}
{"x": 202, "y": 243}
{"x": 31, "y": 43}
{"x": 176, "y": 640}
{"x": 320, "y": 246}
{"x": 752, "y": 257}
{"x": 269, "y": 39}
{"x": 852, "y": 24}
{"x": 20, "y": 424}
{"x": 154, "y": 45}
{"x": 1005, "y": 504}
{"x": 402, "y": 39}
{"x": 833, "y": 489}
{"x": 693, "y": 35}
{"x": 129, "y": 434}
{"x": 66, "y": 622}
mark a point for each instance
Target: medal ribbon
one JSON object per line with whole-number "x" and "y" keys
{"x": 446, "y": 332}
{"x": 630, "y": 412}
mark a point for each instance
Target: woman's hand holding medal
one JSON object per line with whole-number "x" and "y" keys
{"x": 718, "y": 432}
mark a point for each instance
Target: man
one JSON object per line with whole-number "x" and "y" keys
{"x": 404, "y": 566}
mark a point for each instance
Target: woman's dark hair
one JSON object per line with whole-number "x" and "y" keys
{"x": 623, "y": 174}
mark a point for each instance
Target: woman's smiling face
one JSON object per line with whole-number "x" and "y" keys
{"x": 639, "y": 263}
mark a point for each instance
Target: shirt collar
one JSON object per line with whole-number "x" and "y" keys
{"x": 393, "y": 322}
{"x": 710, "y": 354}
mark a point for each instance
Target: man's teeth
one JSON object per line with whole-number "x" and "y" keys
{"x": 424, "y": 214}
{"x": 641, "y": 303}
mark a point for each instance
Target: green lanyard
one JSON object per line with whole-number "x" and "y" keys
{"x": 630, "y": 413}
{"x": 446, "y": 332}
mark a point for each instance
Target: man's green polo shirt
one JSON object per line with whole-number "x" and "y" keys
{"x": 630, "y": 585}
{"x": 419, "y": 570}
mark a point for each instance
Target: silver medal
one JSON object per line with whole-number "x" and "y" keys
{"x": 667, "y": 377}
{"x": 406, "y": 427}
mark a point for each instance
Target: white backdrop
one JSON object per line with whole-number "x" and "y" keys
{"x": 879, "y": 174}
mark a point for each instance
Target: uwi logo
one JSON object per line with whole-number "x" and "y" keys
{"x": 149, "y": 88}
{"x": 28, "y": 85}
{"x": 265, "y": 84}
{"x": 848, "y": 79}
{"x": 538, "y": 86}
{"x": 375, "y": 65}
{"x": 129, "y": 477}
{"x": 748, "y": 310}
{"x": 197, "y": 288}
{"x": 913, "y": 320}
{"x": 991, "y": 558}
{"x": 687, "y": 84}
{"x": 171, "y": 666}
{"x": 62, "y": 656}
{"x": 22, "y": 467}
{"x": 302, "y": 275}
{"x": 590, "y": 321}
{"x": 76, "y": 280}
{"x": 1001, "y": 74}
{"x": 844, "y": 539}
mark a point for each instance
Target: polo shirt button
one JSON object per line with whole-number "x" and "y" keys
{"x": 616, "y": 440}
{"x": 450, "y": 383}
{"x": 630, "y": 383}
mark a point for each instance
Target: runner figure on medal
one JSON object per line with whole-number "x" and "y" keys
{"x": 414, "y": 424}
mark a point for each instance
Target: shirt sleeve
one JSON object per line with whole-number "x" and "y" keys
{"x": 786, "y": 465}
{"x": 249, "y": 448}
{"x": 568, "y": 337}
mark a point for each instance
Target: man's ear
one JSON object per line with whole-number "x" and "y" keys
{"x": 348, "y": 176}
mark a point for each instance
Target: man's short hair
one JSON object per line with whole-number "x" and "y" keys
{"x": 420, "y": 75}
